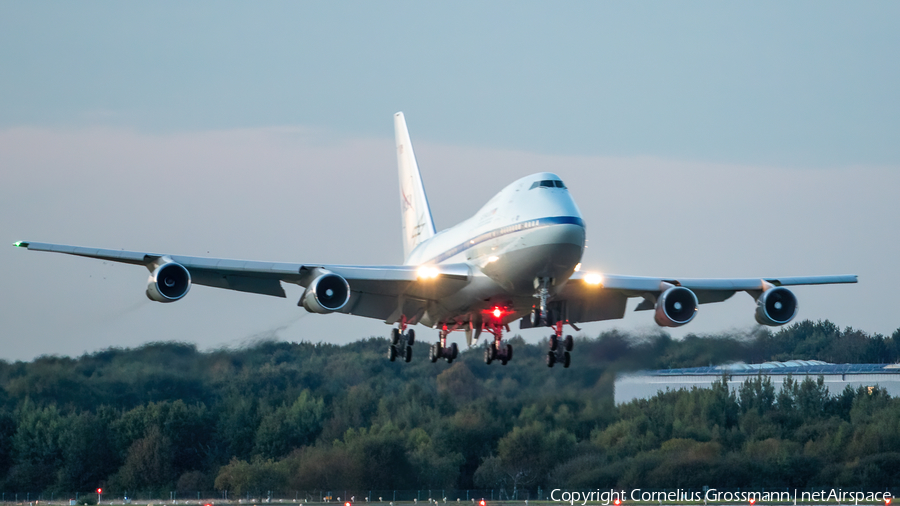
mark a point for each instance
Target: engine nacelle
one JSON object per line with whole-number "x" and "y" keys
{"x": 675, "y": 307}
{"x": 776, "y": 306}
{"x": 326, "y": 294}
{"x": 168, "y": 282}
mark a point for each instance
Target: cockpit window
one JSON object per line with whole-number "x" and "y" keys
{"x": 547, "y": 183}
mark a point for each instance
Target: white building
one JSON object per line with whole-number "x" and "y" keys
{"x": 646, "y": 384}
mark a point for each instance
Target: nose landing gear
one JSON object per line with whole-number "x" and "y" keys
{"x": 560, "y": 347}
{"x": 401, "y": 342}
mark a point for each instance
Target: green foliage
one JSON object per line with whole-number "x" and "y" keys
{"x": 298, "y": 416}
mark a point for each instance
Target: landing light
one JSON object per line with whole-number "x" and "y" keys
{"x": 498, "y": 312}
{"x": 578, "y": 267}
{"x": 593, "y": 278}
{"x": 493, "y": 259}
{"x": 427, "y": 272}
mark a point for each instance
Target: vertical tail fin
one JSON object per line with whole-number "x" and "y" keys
{"x": 415, "y": 212}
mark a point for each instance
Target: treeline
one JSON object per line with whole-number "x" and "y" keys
{"x": 280, "y": 416}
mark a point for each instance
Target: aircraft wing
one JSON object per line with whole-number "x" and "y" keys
{"x": 592, "y": 297}
{"x": 384, "y": 292}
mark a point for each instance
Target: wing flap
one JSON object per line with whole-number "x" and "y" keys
{"x": 263, "y": 286}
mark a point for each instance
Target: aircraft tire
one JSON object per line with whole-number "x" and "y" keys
{"x": 569, "y": 343}
{"x": 395, "y": 336}
{"x": 408, "y": 356}
{"x": 503, "y": 361}
{"x": 551, "y": 358}
{"x": 554, "y": 342}
{"x": 567, "y": 359}
{"x": 488, "y": 356}
{"x": 392, "y": 353}
{"x": 454, "y": 351}
{"x": 411, "y": 337}
{"x": 508, "y": 352}
{"x": 432, "y": 354}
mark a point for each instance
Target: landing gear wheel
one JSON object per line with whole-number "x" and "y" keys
{"x": 395, "y": 336}
{"x": 432, "y": 354}
{"x": 411, "y": 337}
{"x": 568, "y": 343}
{"x": 488, "y": 356}
{"x": 566, "y": 359}
{"x": 408, "y": 356}
{"x": 454, "y": 352}
{"x": 508, "y": 352}
{"x": 551, "y": 358}
{"x": 392, "y": 353}
{"x": 503, "y": 361}
{"x": 554, "y": 342}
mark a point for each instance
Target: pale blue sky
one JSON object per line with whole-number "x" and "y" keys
{"x": 809, "y": 83}
{"x": 699, "y": 139}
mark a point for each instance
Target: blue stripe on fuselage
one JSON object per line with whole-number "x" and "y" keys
{"x": 508, "y": 229}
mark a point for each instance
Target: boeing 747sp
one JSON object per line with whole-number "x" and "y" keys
{"x": 518, "y": 258}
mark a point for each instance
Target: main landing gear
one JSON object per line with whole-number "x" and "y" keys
{"x": 401, "y": 342}
{"x": 560, "y": 347}
{"x": 497, "y": 350}
{"x": 440, "y": 349}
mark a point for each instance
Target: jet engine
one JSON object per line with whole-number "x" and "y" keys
{"x": 168, "y": 282}
{"x": 326, "y": 294}
{"x": 675, "y": 307}
{"x": 776, "y": 306}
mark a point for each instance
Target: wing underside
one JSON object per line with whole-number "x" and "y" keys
{"x": 605, "y": 298}
{"x": 392, "y": 291}
{"x": 382, "y": 292}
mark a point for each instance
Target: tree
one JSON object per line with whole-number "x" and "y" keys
{"x": 149, "y": 463}
{"x": 290, "y": 427}
{"x": 527, "y": 454}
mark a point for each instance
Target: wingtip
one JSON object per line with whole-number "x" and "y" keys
{"x": 20, "y": 244}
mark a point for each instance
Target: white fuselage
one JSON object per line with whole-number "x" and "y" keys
{"x": 525, "y": 232}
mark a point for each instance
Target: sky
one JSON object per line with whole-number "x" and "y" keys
{"x": 699, "y": 139}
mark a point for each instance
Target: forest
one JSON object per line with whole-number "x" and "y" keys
{"x": 289, "y": 418}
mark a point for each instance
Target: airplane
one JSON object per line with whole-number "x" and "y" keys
{"x": 518, "y": 258}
